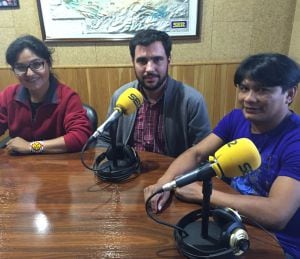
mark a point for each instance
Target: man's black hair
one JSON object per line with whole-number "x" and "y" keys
{"x": 269, "y": 69}
{"x": 147, "y": 37}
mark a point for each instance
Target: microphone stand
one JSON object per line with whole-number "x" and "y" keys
{"x": 112, "y": 133}
{"x": 117, "y": 167}
{"x": 201, "y": 237}
{"x": 107, "y": 169}
{"x": 206, "y": 191}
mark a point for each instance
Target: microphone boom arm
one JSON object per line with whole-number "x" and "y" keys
{"x": 199, "y": 174}
{"x": 113, "y": 117}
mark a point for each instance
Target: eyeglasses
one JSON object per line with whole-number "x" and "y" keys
{"x": 35, "y": 65}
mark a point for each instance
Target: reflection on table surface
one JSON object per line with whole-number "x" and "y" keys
{"x": 52, "y": 206}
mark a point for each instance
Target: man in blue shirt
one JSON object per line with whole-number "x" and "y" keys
{"x": 267, "y": 84}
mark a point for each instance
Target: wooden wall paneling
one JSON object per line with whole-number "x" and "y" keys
{"x": 176, "y": 72}
{"x": 296, "y": 104}
{"x": 125, "y": 75}
{"x": 198, "y": 79}
{"x": 188, "y": 75}
{"x": 7, "y": 77}
{"x": 205, "y": 84}
{"x": 113, "y": 79}
{"x": 226, "y": 94}
{"x": 197, "y": 76}
{"x": 220, "y": 98}
{"x": 204, "y": 81}
{"x": 100, "y": 88}
{"x": 231, "y": 90}
{"x": 76, "y": 79}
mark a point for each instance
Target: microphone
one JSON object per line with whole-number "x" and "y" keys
{"x": 130, "y": 100}
{"x": 236, "y": 158}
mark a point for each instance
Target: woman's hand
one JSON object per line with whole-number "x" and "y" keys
{"x": 18, "y": 145}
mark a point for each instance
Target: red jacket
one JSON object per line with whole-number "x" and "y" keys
{"x": 60, "y": 114}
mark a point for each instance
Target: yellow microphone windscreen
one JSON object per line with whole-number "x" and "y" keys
{"x": 236, "y": 158}
{"x": 130, "y": 100}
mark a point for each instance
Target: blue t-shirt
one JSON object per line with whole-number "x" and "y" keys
{"x": 280, "y": 154}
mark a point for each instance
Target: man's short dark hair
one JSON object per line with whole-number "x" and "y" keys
{"x": 269, "y": 69}
{"x": 147, "y": 37}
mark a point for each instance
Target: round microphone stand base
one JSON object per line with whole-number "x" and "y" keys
{"x": 193, "y": 245}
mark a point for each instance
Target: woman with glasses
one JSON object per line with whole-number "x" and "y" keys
{"x": 41, "y": 113}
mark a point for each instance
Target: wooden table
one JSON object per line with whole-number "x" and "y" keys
{"x": 51, "y": 206}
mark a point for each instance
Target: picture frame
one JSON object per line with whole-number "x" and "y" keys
{"x": 9, "y": 4}
{"x": 115, "y": 20}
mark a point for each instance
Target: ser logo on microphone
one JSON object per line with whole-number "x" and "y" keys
{"x": 135, "y": 100}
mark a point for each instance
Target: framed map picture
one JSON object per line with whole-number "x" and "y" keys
{"x": 114, "y": 20}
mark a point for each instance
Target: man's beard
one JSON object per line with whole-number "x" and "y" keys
{"x": 159, "y": 84}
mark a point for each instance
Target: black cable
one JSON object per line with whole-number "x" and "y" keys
{"x": 151, "y": 215}
{"x": 183, "y": 234}
{"x": 254, "y": 222}
{"x": 89, "y": 141}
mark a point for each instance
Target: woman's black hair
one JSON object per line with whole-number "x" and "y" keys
{"x": 28, "y": 42}
{"x": 269, "y": 69}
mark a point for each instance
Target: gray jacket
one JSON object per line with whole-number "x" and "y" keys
{"x": 186, "y": 119}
